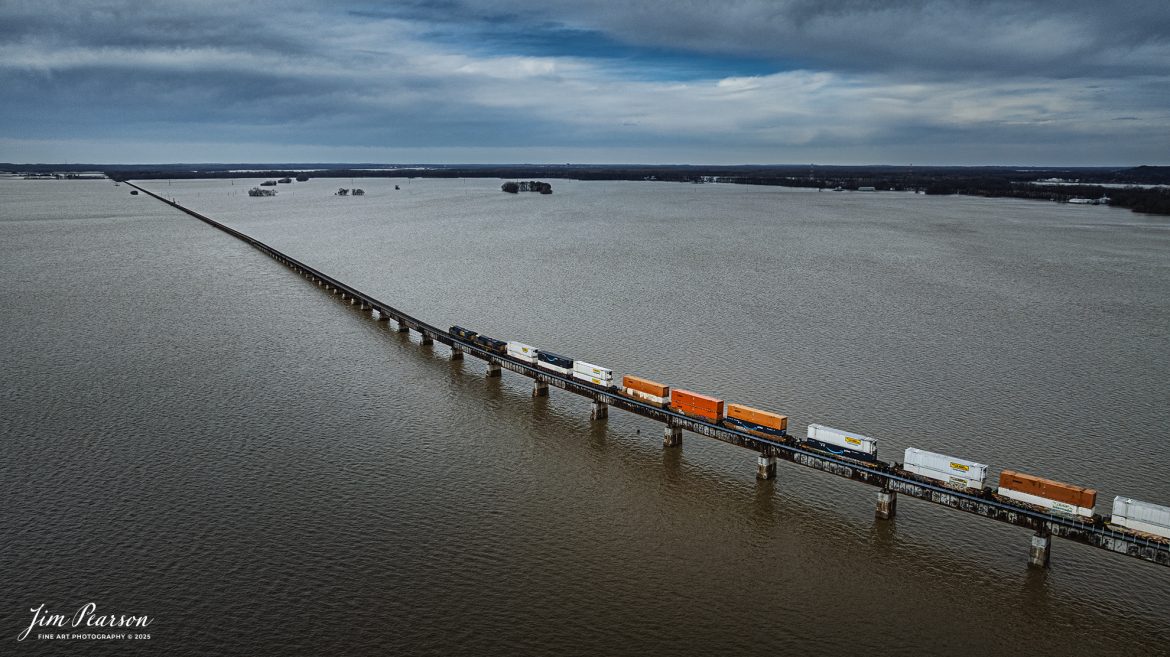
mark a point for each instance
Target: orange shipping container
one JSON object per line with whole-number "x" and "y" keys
{"x": 645, "y": 385}
{"x": 692, "y": 403}
{"x": 1048, "y": 489}
{"x": 756, "y": 416}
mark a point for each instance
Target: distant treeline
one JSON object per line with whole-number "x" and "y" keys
{"x": 1150, "y": 200}
{"x": 1153, "y": 201}
{"x": 979, "y": 181}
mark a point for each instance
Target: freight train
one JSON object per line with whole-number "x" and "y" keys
{"x": 1046, "y": 495}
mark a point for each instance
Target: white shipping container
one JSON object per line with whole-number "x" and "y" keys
{"x": 593, "y": 370}
{"x": 853, "y": 441}
{"x": 554, "y": 368}
{"x": 580, "y": 376}
{"x": 1142, "y": 516}
{"x": 1044, "y": 502}
{"x": 522, "y": 351}
{"x": 947, "y": 469}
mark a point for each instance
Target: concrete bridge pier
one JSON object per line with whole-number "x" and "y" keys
{"x": 493, "y": 369}
{"x": 600, "y": 411}
{"x": 672, "y": 436}
{"x": 887, "y": 504}
{"x": 426, "y": 339}
{"x": 456, "y": 353}
{"x": 383, "y": 317}
{"x": 765, "y": 467}
{"x": 1041, "y": 549}
{"x": 539, "y": 388}
{"x": 403, "y": 328}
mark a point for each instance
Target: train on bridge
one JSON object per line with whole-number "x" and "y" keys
{"x": 1142, "y": 519}
{"x": 1050, "y": 508}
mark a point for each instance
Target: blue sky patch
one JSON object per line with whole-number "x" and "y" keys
{"x": 503, "y": 35}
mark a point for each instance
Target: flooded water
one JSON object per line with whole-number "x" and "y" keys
{"x": 191, "y": 431}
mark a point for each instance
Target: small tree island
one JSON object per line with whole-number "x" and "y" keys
{"x": 513, "y": 187}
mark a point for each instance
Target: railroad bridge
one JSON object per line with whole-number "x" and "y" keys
{"x": 890, "y": 483}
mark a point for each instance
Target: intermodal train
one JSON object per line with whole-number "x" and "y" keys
{"x": 1046, "y": 495}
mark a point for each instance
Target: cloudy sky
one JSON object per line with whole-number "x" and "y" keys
{"x": 1075, "y": 82}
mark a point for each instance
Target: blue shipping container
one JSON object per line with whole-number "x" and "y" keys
{"x": 555, "y": 359}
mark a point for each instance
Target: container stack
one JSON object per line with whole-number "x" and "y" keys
{"x": 697, "y": 405}
{"x": 1047, "y": 493}
{"x": 646, "y": 390}
{"x": 521, "y": 351}
{"x": 753, "y": 419}
{"x": 595, "y": 374}
{"x": 956, "y": 472}
{"x": 554, "y": 362}
{"x": 1141, "y": 516}
{"x": 835, "y": 439}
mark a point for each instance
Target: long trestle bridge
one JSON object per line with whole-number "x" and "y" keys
{"x": 890, "y": 482}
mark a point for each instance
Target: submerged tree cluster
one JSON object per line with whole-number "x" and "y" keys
{"x": 513, "y": 187}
